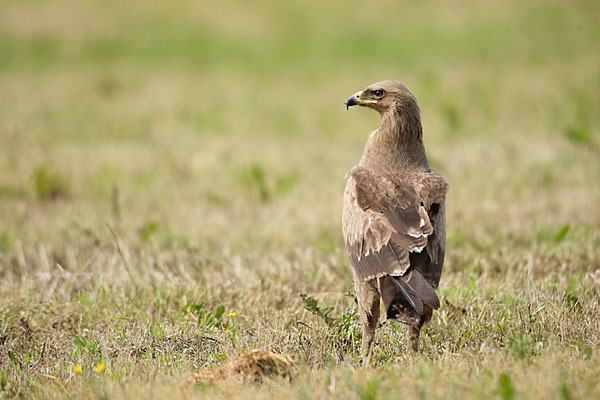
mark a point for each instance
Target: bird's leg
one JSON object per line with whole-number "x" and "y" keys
{"x": 367, "y": 294}
{"x": 413, "y": 337}
{"x": 414, "y": 331}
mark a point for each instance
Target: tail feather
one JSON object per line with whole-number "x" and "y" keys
{"x": 409, "y": 294}
{"x": 423, "y": 289}
{"x": 404, "y": 297}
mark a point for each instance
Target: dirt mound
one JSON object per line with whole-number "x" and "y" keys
{"x": 252, "y": 366}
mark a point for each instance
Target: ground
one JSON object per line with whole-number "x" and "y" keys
{"x": 171, "y": 184}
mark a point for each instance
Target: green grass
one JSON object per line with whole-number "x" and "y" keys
{"x": 164, "y": 166}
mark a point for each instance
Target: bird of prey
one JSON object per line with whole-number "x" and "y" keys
{"x": 394, "y": 219}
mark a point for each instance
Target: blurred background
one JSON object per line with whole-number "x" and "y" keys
{"x": 220, "y": 126}
{"x": 171, "y": 179}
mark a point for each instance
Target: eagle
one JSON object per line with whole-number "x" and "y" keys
{"x": 394, "y": 217}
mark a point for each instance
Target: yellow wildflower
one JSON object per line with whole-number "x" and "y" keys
{"x": 77, "y": 369}
{"x": 226, "y": 331}
{"x": 99, "y": 368}
{"x": 231, "y": 314}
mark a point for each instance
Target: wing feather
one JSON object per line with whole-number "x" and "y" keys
{"x": 387, "y": 220}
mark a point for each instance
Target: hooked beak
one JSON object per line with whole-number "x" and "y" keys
{"x": 355, "y": 100}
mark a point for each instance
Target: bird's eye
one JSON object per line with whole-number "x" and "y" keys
{"x": 378, "y": 93}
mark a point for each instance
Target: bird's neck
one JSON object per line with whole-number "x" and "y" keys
{"x": 397, "y": 143}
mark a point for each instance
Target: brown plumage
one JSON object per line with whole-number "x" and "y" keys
{"x": 394, "y": 218}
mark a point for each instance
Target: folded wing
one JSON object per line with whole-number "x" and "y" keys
{"x": 387, "y": 224}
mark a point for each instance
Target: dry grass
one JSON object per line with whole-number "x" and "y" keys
{"x": 171, "y": 181}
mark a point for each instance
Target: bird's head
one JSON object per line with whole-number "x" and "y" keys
{"x": 383, "y": 96}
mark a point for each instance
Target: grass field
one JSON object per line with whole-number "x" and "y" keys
{"x": 171, "y": 179}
